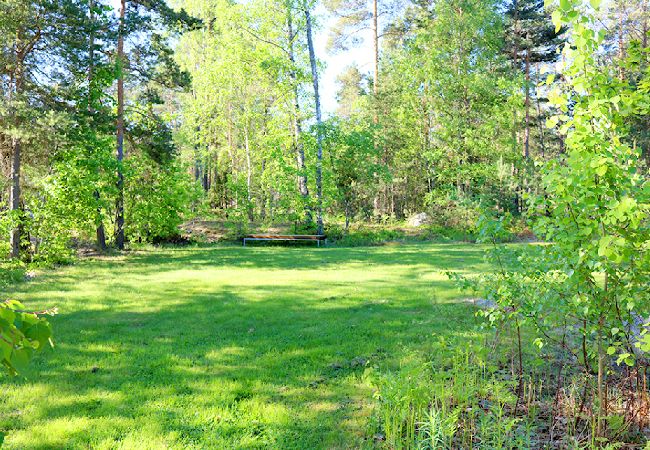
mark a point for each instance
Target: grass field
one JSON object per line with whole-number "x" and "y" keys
{"x": 226, "y": 347}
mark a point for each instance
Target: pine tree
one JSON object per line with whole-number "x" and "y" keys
{"x": 149, "y": 60}
{"x": 531, "y": 38}
{"x": 351, "y": 88}
{"x": 40, "y": 44}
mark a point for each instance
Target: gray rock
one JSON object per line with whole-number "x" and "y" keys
{"x": 418, "y": 220}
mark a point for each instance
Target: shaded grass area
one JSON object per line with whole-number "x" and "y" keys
{"x": 229, "y": 347}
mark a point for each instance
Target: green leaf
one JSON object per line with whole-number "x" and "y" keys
{"x": 552, "y": 121}
{"x": 595, "y": 3}
{"x": 556, "y": 17}
{"x": 20, "y": 359}
{"x": 7, "y": 314}
{"x": 604, "y": 246}
{"x": 627, "y": 358}
{"x": 5, "y": 350}
{"x": 40, "y": 333}
{"x": 644, "y": 343}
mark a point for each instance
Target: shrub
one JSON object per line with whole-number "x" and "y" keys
{"x": 157, "y": 199}
{"x": 584, "y": 292}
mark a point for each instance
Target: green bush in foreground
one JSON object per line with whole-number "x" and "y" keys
{"x": 585, "y": 294}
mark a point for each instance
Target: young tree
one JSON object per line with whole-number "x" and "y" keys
{"x": 592, "y": 278}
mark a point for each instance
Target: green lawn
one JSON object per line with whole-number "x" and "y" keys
{"x": 229, "y": 347}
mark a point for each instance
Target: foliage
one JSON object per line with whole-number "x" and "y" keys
{"x": 449, "y": 101}
{"x": 599, "y": 201}
{"x": 22, "y": 333}
{"x": 57, "y": 124}
{"x": 351, "y": 168}
{"x": 585, "y": 292}
{"x": 463, "y": 405}
{"x": 174, "y": 192}
{"x": 439, "y": 131}
{"x": 11, "y": 272}
{"x": 359, "y": 235}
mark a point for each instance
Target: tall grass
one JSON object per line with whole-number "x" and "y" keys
{"x": 457, "y": 403}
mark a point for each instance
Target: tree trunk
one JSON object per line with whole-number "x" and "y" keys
{"x": 377, "y": 204}
{"x": 16, "y": 157}
{"x": 99, "y": 219}
{"x": 303, "y": 187}
{"x": 515, "y": 58}
{"x": 375, "y": 45}
{"x": 602, "y": 387}
{"x": 319, "y": 123}
{"x": 249, "y": 176}
{"x": 99, "y": 224}
{"x": 119, "y": 203}
{"x": 644, "y": 30}
{"x": 527, "y": 106}
{"x": 263, "y": 193}
{"x": 621, "y": 42}
{"x": 542, "y": 141}
{"x": 14, "y": 195}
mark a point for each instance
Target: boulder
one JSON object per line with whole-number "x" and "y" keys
{"x": 418, "y": 220}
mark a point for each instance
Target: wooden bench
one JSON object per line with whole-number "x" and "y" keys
{"x": 285, "y": 237}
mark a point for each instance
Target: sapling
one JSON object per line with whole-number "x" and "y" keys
{"x": 598, "y": 199}
{"x": 584, "y": 290}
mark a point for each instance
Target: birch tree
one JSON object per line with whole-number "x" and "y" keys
{"x": 319, "y": 119}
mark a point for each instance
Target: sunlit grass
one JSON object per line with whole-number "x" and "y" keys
{"x": 226, "y": 347}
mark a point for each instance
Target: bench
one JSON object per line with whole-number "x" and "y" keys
{"x": 285, "y": 237}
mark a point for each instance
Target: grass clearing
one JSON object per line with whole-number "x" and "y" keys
{"x": 229, "y": 347}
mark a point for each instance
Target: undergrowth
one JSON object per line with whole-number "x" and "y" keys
{"x": 454, "y": 401}
{"x": 471, "y": 397}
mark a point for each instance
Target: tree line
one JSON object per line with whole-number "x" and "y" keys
{"x": 449, "y": 121}
{"x": 119, "y": 123}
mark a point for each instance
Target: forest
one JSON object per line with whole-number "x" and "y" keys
{"x": 475, "y": 174}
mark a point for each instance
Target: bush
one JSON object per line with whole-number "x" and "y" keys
{"x": 363, "y": 236}
{"x": 449, "y": 213}
{"x": 156, "y": 199}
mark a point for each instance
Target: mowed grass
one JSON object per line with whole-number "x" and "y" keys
{"x": 229, "y": 347}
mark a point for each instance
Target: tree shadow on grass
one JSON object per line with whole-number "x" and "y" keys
{"x": 249, "y": 363}
{"x": 448, "y": 256}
